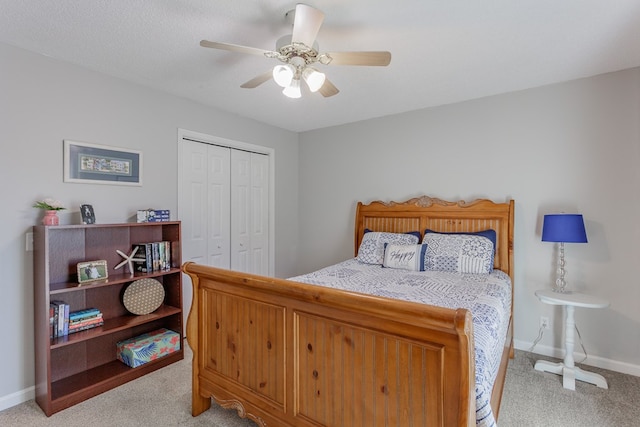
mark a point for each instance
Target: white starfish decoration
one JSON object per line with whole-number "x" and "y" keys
{"x": 128, "y": 259}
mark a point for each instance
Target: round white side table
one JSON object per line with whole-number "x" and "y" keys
{"x": 570, "y": 373}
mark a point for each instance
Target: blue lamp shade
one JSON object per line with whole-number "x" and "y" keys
{"x": 567, "y": 228}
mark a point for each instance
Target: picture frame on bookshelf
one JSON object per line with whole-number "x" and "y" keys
{"x": 88, "y": 214}
{"x": 92, "y": 271}
{"x": 101, "y": 164}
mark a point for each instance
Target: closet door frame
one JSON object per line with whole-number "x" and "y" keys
{"x": 184, "y": 134}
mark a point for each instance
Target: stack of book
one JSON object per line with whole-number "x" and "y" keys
{"x": 85, "y": 319}
{"x": 153, "y": 256}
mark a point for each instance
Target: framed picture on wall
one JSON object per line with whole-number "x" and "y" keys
{"x": 101, "y": 164}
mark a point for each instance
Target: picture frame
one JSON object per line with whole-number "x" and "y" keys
{"x": 92, "y": 271}
{"x": 88, "y": 215}
{"x": 101, "y": 164}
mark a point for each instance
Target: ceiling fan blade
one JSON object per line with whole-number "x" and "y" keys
{"x": 328, "y": 89}
{"x": 234, "y": 48}
{"x": 381, "y": 58}
{"x": 258, "y": 80}
{"x": 306, "y": 24}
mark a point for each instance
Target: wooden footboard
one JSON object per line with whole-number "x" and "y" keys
{"x": 290, "y": 354}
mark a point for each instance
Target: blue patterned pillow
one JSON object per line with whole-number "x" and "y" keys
{"x": 405, "y": 257}
{"x": 463, "y": 253}
{"x": 371, "y": 250}
{"x": 489, "y": 234}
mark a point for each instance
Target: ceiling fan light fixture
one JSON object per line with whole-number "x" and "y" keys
{"x": 283, "y": 75}
{"x": 314, "y": 78}
{"x": 298, "y": 51}
{"x": 293, "y": 90}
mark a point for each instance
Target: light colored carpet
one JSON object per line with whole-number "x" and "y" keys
{"x": 163, "y": 398}
{"x": 536, "y": 399}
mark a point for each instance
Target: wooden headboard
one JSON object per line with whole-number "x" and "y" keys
{"x": 424, "y": 212}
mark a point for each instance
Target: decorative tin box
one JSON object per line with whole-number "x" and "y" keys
{"x": 153, "y": 215}
{"x": 144, "y": 348}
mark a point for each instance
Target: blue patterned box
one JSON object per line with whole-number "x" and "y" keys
{"x": 144, "y": 348}
{"x": 153, "y": 215}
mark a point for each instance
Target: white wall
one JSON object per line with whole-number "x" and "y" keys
{"x": 572, "y": 147}
{"x": 43, "y": 102}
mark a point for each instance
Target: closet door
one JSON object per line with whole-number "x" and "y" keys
{"x": 224, "y": 205}
{"x": 259, "y": 214}
{"x": 219, "y": 208}
{"x": 204, "y": 204}
{"x": 203, "y": 199}
{"x": 240, "y": 211}
{"x": 249, "y": 212}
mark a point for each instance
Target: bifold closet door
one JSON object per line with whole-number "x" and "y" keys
{"x": 224, "y": 208}
{"x": 205, "y": 204}
{"x": 249, "y": 212}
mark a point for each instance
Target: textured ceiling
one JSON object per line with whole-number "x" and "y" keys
{"x": 442, "y": 51}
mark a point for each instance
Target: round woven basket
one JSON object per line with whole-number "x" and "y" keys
{"x": 143, "y": 296}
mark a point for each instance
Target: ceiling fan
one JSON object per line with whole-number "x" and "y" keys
{"x": 298, "y": 52}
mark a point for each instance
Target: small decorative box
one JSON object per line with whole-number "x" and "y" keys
{"x": 144, "y": 348}
{"x": 153, "y": 215}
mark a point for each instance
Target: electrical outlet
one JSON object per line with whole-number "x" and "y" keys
{"x": 29, "y": 242}
{"x": 544, "y": 322}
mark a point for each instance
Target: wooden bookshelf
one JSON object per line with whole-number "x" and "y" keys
{"x": 78, "y": 366}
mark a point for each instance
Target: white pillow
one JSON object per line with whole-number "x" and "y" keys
{"x": 463, "y": 253}
{"x": 371, "y": 250}
{"x": 406, "y": 257}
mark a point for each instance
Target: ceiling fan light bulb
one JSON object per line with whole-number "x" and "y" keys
{"x": 283, "y": 75}
{"x": 293, "y": 90}
{"x": 314, "y": 78}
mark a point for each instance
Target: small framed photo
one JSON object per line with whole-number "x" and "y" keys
{"x": 88, "y": 216}
{"x": 91, "y": 271}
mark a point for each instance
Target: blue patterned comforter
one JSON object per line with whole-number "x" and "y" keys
{"x": 487, "y": 296}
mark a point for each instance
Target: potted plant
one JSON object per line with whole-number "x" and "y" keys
{"x": 51, "y": 208}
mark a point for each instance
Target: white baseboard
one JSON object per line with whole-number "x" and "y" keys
{"x": 598, "y": 362}
{"x": 17, "y": 398}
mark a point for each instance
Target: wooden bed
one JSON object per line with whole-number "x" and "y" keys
{"x": 284, "y": 353}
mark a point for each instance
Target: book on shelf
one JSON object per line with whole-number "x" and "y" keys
{"x": 65, "y": 323}
{"x": 85, "y": 328}
{"x": 156, "y": 256}
{"x": 167, "y": 255}
{"x": 161, "y": 256}
{"x": 86, "y": 313}
{"x": 87, "y": 324}
{"x": 52, "y": 319}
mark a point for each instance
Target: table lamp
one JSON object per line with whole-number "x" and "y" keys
{"x": 563, "y": 228}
